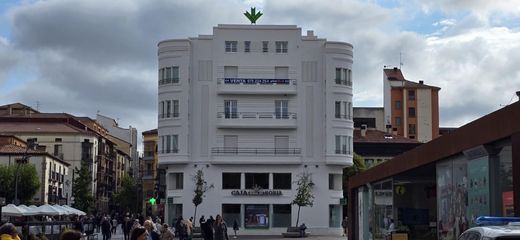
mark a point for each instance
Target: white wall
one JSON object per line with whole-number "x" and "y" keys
{"x": 424, "y": 115}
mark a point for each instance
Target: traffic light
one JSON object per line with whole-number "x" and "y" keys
{"x": 152, "y": 200}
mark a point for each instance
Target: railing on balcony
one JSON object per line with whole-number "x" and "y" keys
{"x": 169, "y": 150}
{"x": 169, "y": 115}
{"x": 256, "y": 115}
{"x": 256, "y": 81}
{"x": 255, "y": 151}
{"x": 148, "y": 154}
{"x": 344, "y": 82}
{"x": 168, "y": 81}
{"x": 344, "y": 116}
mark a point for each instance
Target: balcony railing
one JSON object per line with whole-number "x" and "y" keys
{"x": 256, "y": 115}
{"x": 256, "y": 81}
{"x": 344, "y": 116}
{"x": 169, "y": 151}
{"x": 255, "y": 151}
{"x": 168, "y": 81}
{"x": 344, "y": 82}
{"x": 169, "y": 115}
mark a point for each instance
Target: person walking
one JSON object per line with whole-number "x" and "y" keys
{"x": 149, "y": 226}
{"x": 207, "y": 230}
{"x": 166, "y": 233}
{"x": 114, "y": 225}
{"x": 220, "y": 229}
{"x": 105, "y": 228}
{"x": 235, "y": 228}
{"x": 344, "y": 225}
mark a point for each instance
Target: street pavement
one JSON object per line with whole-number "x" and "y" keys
{"x": 119, "y": 236}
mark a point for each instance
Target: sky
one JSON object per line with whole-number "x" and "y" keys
{"x": 88, "y": 56}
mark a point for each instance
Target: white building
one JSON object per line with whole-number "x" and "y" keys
{"x": 254, "y": 106}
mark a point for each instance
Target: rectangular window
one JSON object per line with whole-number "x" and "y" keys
{"x": 411, "y": 95}
{"x": 349, "y": 112}
{"x": 163, "y": 144}
{"x": 338, "y": 144}
{"x": 281, "y": 215}
{"x": 230, "y": 109}
{"x": 175, "y": 108}
{"x": 168, "y": 108}
{"x": 335, "y": 181}
{"x": 176, "y": 181}
{"x": 411, "y": 112}
{"x": 256, "y": 216}
{"x": 149, "y": 169}
{"x": 247, "y": 46}
{"x": 265, "y": 46}
{"x": 398, "y": 121}
{"x": 161, "y": 108}
{"x": 231, "y": 213}
{"x": 346, "y": 110}
{"x": 334, "y": 215}
{"x": 175, "y": 143}
{"x": 58, "y": 151}
{"x": 281, "y": 109}
{"x": 343, "y": 76}
{"x": 281, "y": 47}
{"x": 281, "y": 180}
{"x": 338, "y": 75}
{"x": 175, "y": 74}
{"x": 397, "y": 105}
{"x": 254, "y": 180}
{"x": 168, "y": 72}
{"x": 411, "y": 128}
{"x": 343, "y": 144}
{"x": 349, "y": 79}
{"x": 231, "y": 46}
{"x": 168, "y": 143}
{"x": 337, "y": 109}
{"x": 231, "y": 180}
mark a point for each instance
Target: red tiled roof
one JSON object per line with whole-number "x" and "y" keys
{"x": 38, "y": 127}
{"x": 394, "y": 74}
{"x": 376, "y": 136}
{"x": 14, "y": 149}
{"x": 152, "y": 131}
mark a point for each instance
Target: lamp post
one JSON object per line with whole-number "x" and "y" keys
{"x": 25, "y": 158}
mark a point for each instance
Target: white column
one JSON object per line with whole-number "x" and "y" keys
{"x": 271, "y": 181}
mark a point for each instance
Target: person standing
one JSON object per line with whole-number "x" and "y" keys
{"x": 220, "y": 229}
{"x": 105, "y": 228}
{"x": 166, "y": 233}
{"x": 235, "y": 228}
{"x": 149, "y": 226}
{"x": 344, "y": 225}
{"x": 114, "y": 225}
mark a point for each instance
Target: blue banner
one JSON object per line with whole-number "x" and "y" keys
{"x": 255, "y": 81}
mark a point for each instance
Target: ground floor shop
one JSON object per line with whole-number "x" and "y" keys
{"x": 258, "y": 197}
{"x": 437, "y": 190}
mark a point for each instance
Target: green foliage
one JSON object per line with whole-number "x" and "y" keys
{"x": 127, "y": 195}
{"x": 81, "y": 188}
{"x": 304, "y": 196}
{"x": 28, "y": 182}
{"x": 201, "y": 187}
{"x": 359, "y": 166}
{"x": 253, "y": 16}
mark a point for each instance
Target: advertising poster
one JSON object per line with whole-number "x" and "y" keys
{"x": 507, "y": 204}
{"x": 478, "y": 189}
{"x": 257, "y": 216}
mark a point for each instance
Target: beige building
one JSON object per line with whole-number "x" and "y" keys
{"x": 52, "y": 171}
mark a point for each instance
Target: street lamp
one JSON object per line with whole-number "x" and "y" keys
{"x": 25, "y": 158}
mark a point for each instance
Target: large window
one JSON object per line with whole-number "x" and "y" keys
{"x": 397, "y": 105}
{"x": 230, "y": 109}
{"x": 231, "y": 46}
{"x": 176, "y": 181}
{"x": 168, "y": 75}
{"x": 265, "y": 46}
{"x": 170, "y": 144}
{"x": 411, "y": 112}
{"x": 281, "y": 47}
{"x": 343, "y": 109}
{"x": 334, "y": 216}
{"x": 281, "y": 109}
{"x": 398, "y": 121}
{"x": 335, "y": 181}
{"x": 247, "y": 46}
{"x": 344, "y": 76}
{"x": 281, "y": 215}
{"x": 175, "y": 104}
{"x": 231, "y": 213}
{"x": 281, "y": 180}
{"x": 343, "y": 144}
{"x": 254, "y": 180}
{"x": 58, "y": 151}
{"x": 256, "y": 216}
{"x": 230, "y": 180}
{"x": 411, "y": 128}
{"x": 411, "y": 95}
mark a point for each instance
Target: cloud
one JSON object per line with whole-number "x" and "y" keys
{"x": 8, "y": 59}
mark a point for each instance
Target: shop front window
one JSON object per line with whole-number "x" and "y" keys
{"x": 257, "y": 180}
{"x": 505, "y": 178}
{"x": 281, "y": 215}
{"x": 256, "y": 216}
{"x": 231, "y": 213}
{"x": 334, "y": 216}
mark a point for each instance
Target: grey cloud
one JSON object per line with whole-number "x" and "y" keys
{"x": 8, "y": 59}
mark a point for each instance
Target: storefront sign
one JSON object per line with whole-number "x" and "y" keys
{"x": 255, "y": 81}
{"x": 256, "y": 193}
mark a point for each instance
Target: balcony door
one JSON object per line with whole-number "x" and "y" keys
{"x": 281, "y": 109}
{"x": 230, "y": 109}
{"x": 281, "y": 144}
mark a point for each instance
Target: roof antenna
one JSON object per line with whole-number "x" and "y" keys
{"x": 38, "y": 106}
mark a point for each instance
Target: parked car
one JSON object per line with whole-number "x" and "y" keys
{"x": 494, "y": 228}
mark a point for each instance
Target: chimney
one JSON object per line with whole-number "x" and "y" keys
{"x": 518, "y": 95}
{"x": 363, "y": 130}
{"x": 310, "y": 33}
{"x": 421, "y": 82}
{"x": 395, "y": 68}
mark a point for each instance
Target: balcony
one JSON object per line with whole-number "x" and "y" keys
{"x": 148, "y": 155}
{"x": 227, "y": 155}
{"x": 255, "y": 86}
{"x": 256, "y": 120}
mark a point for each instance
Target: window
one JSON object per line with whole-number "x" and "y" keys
{"x": 281, "y": 215}
{"x": 175, "y": 108}
{"x": 265, "y": 46}
{"x": 230, "y": 109}
{"x": 254, "y": 180}
{"x": 411, "y": 95}
{"x": 343, "y": 144}
{"x": 397, "y": 105}
{"x": 231, "y": 46}
{"x": 335, "y": 181}
{"x": 161, "y": 109}
{"x": 58, "y": 151}
{"x": 281, "y": 181}
{"x": 169, "y": 144}
{"x": 176, "y": 181}
{"x": 281, "y": 109}
{"x": 231, "y": 180}
{"x": 281, "y": 47}
{"x": 343, "y": 109}
{"x": 256, "y": 216}
{"x": 175, "y": 143}
{"x": 411, "y": 128}
{"x": 411, "y": 112}
{"x": 247, "y": 46}
{"x": 230, "y": 213}
{"x": 334, "y": 215}
{"x": 168, "y": 108}
{"x": 338, "y": 75}
{"x": 398, "y": 121}
{"x": 337, "y": 109}
{"x": 149, "y": 169}
{"x": 343, "y": 76}
{"x": 347, "y": 106}
{"x": 168, "y": 75}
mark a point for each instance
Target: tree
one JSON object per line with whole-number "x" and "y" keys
{"x": 127, "y": 196}
{"x": 28, "y": 182}
{"x": 201, "y": 187}
{"x": 357, "y": 167}
{"x": 304, "y": 196}
{"x": 253, "y": 15}
{"x": 81, "y": 188}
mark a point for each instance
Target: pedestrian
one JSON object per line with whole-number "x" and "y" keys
{"x": 207, "y": 230}
{"x": 78, "y": 224}
{"x": 187, "y": 228}
{"x": 344, "y": 225}
{"x": 202, "y": 220}
{"x": 149, "y": 226}
{"x": 235, "y": 228}
{"x": 201, "y": 223}
{"x": 302, "y": 230}
{"x": 177, "y": 227}
{"x": 139, "y": 233}
{"x": 158, "y": 225}
{"x": 71, "y": 235}
{"x": 8, "y": 232}
{"x": 114, "y": 225}
{"x": 166, "y": 233}
{"x": 105, "y": 228}
{"x": 126, "y": 226}
{"x": 220, "y": 229}
{"x": 97, "y": 221}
